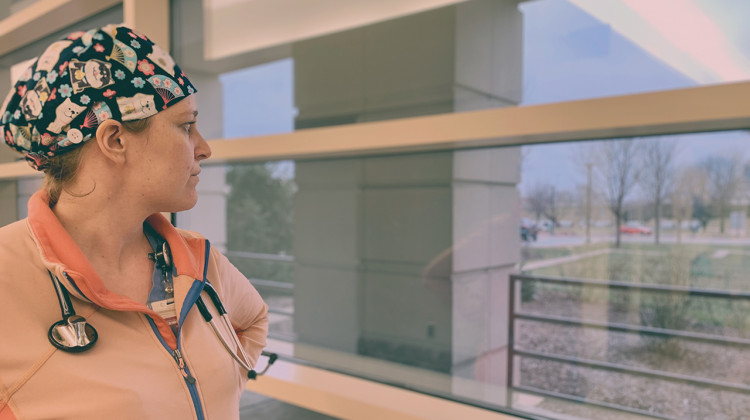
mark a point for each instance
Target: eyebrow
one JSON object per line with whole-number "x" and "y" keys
{"x": 193, "y": 114}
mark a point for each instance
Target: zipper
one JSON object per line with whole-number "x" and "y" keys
{"x": 177, "y": 355}
{"x": 192, "y": 296}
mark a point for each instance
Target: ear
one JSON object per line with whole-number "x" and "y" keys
{"x": 109, "y": 139}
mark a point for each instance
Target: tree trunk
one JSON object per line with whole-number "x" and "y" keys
{"x": 618, "y": 221}
{"x": 657, "y": 219}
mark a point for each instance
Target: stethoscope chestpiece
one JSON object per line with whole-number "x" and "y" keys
{"x": 72, "y": 334}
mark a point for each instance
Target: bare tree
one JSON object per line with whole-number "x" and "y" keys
{"x": 723, "y": 175}
{"x": 583, "y": 156}
{"x": 616, "y": 171}
{"x": 536, "y": 199}
{"x": 657, "y": 175}
{"x": 552, "y": 208}
{"x": 690, "y": 184}
{"x": 587, "y": 210}
{"x": 545, "y": 200}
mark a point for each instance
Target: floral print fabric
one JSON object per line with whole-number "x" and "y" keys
{"x": 83, "y": 80}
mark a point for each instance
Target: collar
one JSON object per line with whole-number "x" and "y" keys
{"x": 64, "y": 258}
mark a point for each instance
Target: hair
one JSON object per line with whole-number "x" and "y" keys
{"x": 62, "y": 169}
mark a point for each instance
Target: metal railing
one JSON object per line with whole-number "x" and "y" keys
{"x": 260, "y": 256}
{"x": 515, "y": 314}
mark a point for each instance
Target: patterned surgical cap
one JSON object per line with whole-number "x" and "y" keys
{"x": 83, "y": 80}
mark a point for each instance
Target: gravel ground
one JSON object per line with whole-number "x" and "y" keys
{"x": 673, "y": 399}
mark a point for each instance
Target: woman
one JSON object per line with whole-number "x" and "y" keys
{"x": 111, "y": 120}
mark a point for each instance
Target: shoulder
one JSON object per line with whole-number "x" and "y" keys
{"x": 13, "y": 230}
{"x": 216, "y": 259}
{"x": 16, "y": 242}
{"x": 22, "y": 269}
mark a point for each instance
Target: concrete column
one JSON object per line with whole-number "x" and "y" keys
{"x": 26, "y": 187}
{"x": 327, "y": 247}
{"x": 406, "y": 258}
{"x": 149, "y": 16}
{"x": 489, "y": 54}
{"x": 8, "y": 202}
{"x": 407, "y": 295}
{"x": 486, "y": 247}
{"x": 8, "y": 189}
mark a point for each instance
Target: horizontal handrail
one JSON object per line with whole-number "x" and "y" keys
{"x": 272, "y": 284}
{"x": 290, "y": 338}
{"x": 649, "y": 287}
{"x": 260, "y": 256}
{"x": 614, "y": 326}
{"x": 277, "y": 311}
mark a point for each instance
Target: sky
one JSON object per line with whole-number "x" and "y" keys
{"x": 589, "y": 58}
{"x": 261, "y": 98}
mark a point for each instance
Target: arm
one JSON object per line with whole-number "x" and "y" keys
{"x": 246, "y": 309}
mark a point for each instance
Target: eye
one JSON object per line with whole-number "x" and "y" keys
{"x": 187, "y": 126}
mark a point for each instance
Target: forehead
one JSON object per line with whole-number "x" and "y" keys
{"x": 186, "y": 108}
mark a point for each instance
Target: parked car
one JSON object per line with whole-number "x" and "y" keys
{"x": 528, "y": 233}
{"x": 635, "y": 230}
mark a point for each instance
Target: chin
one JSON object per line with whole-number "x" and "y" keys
{"x": 187, "y": 206}
{"x": 184, "y": 204}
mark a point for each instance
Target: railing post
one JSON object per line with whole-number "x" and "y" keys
{"x": 511, "y": 322}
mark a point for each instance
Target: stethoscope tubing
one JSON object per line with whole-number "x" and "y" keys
{"x": 244, "y": 361}
{"x": 66, "y": 306}
{"x": 73, "y": 334}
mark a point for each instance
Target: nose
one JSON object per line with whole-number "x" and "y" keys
{"x": 202, "y": 149}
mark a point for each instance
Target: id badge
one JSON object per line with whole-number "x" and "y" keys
{"x": 166, "y": 309}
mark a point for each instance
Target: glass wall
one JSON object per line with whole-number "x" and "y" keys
{"x": 611, "y": 270}
{"x": 631, "y": 287}
{"x": 528, "y": 278}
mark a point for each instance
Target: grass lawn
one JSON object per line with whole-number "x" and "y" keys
{"x": 696, "y": 266}
{"x": 699, "y": 266}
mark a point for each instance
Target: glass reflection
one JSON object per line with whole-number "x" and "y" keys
{"x": 626, "y": 282}
{"x": 635, "y": 276}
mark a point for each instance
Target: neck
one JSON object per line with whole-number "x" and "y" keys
{"x": 108, "y": 231}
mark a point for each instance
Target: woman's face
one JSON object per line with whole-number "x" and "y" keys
{"x": 166, "y": 159}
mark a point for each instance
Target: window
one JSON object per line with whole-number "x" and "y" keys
{"x": 427, "y": 269}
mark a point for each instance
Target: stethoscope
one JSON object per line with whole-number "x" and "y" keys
{"x": 73, "y": 334}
